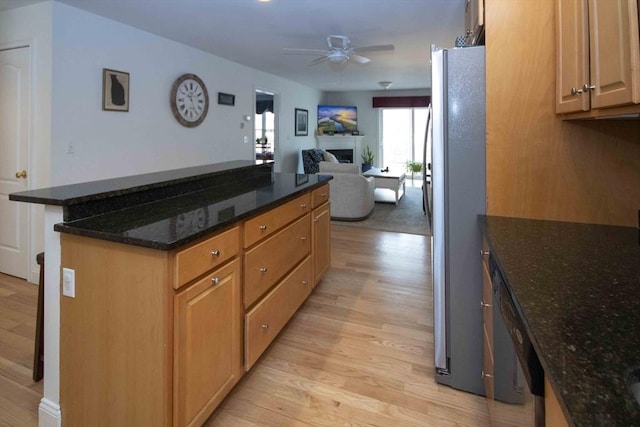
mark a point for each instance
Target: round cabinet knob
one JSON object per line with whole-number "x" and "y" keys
{"x": 215, "y": 253}
{"x": 263, "y": 269}
{"x": 587, "y": 87}
{"x": 323, "y": 194}
{"x": 575, "y": 91}
{"x": 304, "y": 282}
{"x": 484, "y": 374}
{"x": 484, "y": 304}
{"x": 265, "y": 326}
{"x": 303, "y": 206}
{"x": 215, "y": 280}
{"x": 483, "y": 252}
{"x": 303, "y": 238}
{"x": 263, "y": 227}
{"x": 22, "y": 174}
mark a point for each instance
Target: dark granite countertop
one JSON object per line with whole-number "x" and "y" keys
{"x": 577, "y": 288}
{"x": 166, "y": 210}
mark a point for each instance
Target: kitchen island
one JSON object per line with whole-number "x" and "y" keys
{"x": 577, "y": 289}
{"x": 174, "y": 284}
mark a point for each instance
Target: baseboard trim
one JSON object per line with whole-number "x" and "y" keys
{"x": 49, "y": 414}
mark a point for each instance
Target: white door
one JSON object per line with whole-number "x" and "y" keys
{"x": 14, "y": 141}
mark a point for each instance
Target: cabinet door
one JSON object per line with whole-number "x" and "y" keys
{"x": 321, "y": 235}
{"x": 207, "y": 344}
{"x": 572, "y": 61}
{"x": 615, "y": 62}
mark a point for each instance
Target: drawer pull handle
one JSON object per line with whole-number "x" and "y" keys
{"x": 484, "y": 304}
{"x": 304, "y": 282}
{"x": 303, "y": 238}
{"x": 483, "y": 252}
{"x": 484, "y": 374}
{"x": 323, "y": 195}
{"x": 263, "y": 269}
{"x": 215, "y": 253}
{"x": 265, "y": 326}
{"x": 263, "y": 227}
{"x": 215, "y": 280}
{"x": 303, "y": 206}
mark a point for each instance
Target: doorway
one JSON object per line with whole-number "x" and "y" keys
{"x": 15, "y": 95}
{"x": 265, "y": 126}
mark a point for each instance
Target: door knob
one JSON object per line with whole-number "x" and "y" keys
{"x": 22, "y": 174}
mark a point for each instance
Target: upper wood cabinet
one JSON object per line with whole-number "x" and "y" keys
{"x": 598, "y": 58}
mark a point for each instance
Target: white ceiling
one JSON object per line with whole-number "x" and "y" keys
{"x": 253, "y": 33}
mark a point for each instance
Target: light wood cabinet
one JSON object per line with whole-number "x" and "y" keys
{"x": 207, "y": 344}
{"x": 156, "y": 337}
{"x": 553, "y": 415}
{"x": 598, "y": 58}
{"x": 321, "y": 233}
{"x": 266, "y": 263}
{"x": 268, "y": 317}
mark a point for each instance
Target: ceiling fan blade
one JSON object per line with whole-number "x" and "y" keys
{"x": 319, "y": 60}
{"x": 359, "y": 59}
{"x": 376, "y": 48}
{"x": 303, "y": 51}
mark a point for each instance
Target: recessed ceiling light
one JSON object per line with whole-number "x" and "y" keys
{"x": 264, "y": 1}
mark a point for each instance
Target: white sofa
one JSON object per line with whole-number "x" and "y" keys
{"x": 351, "y": 193}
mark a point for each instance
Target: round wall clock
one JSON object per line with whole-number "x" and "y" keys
{"x": 189, "y": 100}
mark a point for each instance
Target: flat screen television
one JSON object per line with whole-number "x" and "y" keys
{"x": 337, "y": 119}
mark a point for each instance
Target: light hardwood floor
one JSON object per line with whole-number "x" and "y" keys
{"x": 358, "y": 352}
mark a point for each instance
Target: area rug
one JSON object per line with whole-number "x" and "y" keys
{"x": 407, "y": 217}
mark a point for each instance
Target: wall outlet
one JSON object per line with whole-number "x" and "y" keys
{"x": 245, "y": 139}
{"x": 69, "y": 282}
{"x": 70, "y": 148}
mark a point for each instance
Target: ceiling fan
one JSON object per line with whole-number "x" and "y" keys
{"x": 340, "y": 52}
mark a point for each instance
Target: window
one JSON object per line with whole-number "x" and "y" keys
{"x": 403, "y": 132}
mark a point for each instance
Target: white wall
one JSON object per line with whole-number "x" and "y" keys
{"x": 368, "y": 117}
{"x": 31, "y": 26}
{"x": 148, "y": 138}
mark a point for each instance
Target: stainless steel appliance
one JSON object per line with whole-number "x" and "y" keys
{"x": 458, "y": 186}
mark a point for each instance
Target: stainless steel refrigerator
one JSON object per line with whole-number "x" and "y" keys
{"x": 458, "y": 188}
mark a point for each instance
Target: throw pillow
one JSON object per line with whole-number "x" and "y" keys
{"x": 328, "y": 157}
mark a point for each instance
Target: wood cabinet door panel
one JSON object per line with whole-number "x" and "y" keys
{"x": 266, "y": 224}
{"x": 321, "y": 229}
{"x": 615, "y": 63}
{"x": 199, "y": 258}
{"x": 265, "y": 320}
{"x": 572, "y": 56}
{"x": 207, "y": 344}
{"x": 268, "y": 262}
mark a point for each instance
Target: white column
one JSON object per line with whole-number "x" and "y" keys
{"x": 49, "y": 414}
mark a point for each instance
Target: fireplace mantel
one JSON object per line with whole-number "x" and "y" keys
{"x": 342, "y": 142}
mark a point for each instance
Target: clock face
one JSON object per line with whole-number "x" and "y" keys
{"x": 189, "y": 100}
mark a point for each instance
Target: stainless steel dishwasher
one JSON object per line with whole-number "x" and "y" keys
{"x": 519, "y": 377}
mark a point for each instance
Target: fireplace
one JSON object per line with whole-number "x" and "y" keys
{"x": 343, "y": 155}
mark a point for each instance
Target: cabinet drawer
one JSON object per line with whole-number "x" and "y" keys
{"x": 266, "y": 319}
{"x": 320, "y": 196}
{"x": 265, "y": 264}
{"x": 202, "y": 257}
{"x": 269, "y": 222}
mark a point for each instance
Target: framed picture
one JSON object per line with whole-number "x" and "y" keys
{"x": 302, "y": 122}
{"x": 301, "y": 179}
{"x": 226, "y": 99}
{"x": 115, "y": 90}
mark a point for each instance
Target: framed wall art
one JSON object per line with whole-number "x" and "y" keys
{"x": 115, "y": 90}
{"x": 226, "y": 99}
{"x": 302, "y": 122}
